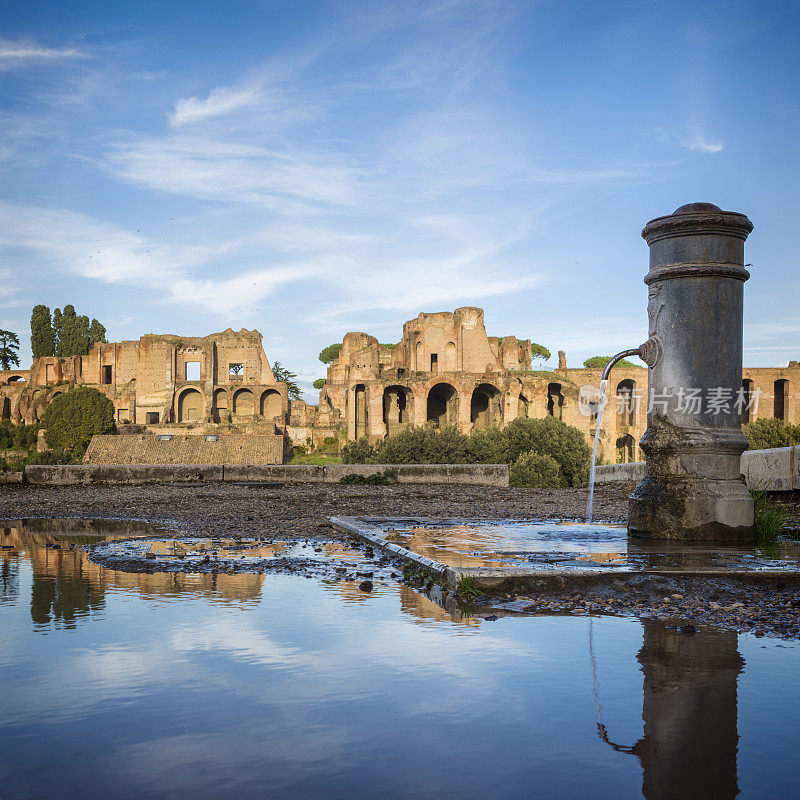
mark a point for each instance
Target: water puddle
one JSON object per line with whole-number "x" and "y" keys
{"x": 564, "y": 545}
{"x": 206, "y": 685}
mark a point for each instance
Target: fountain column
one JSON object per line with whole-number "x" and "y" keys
{"x": 693, "y": 489}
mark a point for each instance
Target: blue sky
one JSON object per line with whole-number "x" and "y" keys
{"x": 311, "y": 168}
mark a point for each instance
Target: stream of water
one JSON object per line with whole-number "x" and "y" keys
{"x": 589, "y": 505}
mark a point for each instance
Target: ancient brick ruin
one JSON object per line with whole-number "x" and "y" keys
{"x": 445, "y": 370}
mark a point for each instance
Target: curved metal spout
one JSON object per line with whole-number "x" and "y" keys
{"x": 636, "y": 351}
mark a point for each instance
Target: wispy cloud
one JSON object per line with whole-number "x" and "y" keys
{"x": 222, "y": 100}
{"x": 14, "y": 54}
{"x": 703, "y": 144}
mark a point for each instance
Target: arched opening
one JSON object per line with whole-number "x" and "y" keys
{"x": 625, "y": 449}
{"x": 271, "y": 404}
{"x": 781, "y": 391}
{"x": 395, "y": 409}
{"x": 221, "y": 405}
{"x": 555, "y": 400}
{"x": 419, "y": 359}
{"x": 6, "y": 414}
{"x": 442, "y": 405}
{"x": 523, "y": 407}
{"x": 244, "y": 403}
{"x": 484, "y": 409}
{"x": 747, "y": 399}
{"x": 360, "y": 407}
{"x": 401, "y": 374}
{"x": 190, "y": 406}
{"x": 626, "y": 405}
{"x": 450, "y": 357}
{"x": 16, "y": 379}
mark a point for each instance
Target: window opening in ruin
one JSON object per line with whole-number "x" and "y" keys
{"x": 211, "y": 437}
{"x": 523, "y": 411}
{"x": 626, "y": 406}
{"x": 779, "y": 404}
{"x": 434, "y": 363}
{"x": 192, "y": 370}
{"x": 395, "y": 409}
{"x": 747, "y": 393}
{"x": 122, "y": 415}
{"x": 555, "y": 400}
{"x": 442, "y": 405}
{"x": 360, "y": 400}
{"x": 107, "y": 374}
{"x": 50, "y": 373}
{"x": 625, "y": 445}
{"x": 165, "y": 437}
{"x": 16, "y": 378}
{"x": 236, "y": 372}
{"x": 485, "y": 411}
{"x": 6, "y": 409}
{"x": 153, "y": 417}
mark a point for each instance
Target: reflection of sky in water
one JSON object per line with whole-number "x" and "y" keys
{"x": 554, "y": 544}
{"x": 290, "y": 687}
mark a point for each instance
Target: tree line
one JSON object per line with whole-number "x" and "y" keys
{"x": 65, "y": 334}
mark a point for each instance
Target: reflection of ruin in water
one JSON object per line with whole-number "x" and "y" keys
{"x": 67, "y": 585}
{"x": 689, "y": 709}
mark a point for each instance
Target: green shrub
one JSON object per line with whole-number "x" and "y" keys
{"x": 376, "y": 479}
{"x": 6, "y": 435}
{"x": 764, "y": 434}
{"x": 319, "y": 383}
{"x": 424, "y": 446}
{"x": 537, "y": 470}
{"x": 550, "y": 436}
{"x": 73, "y": 418}
{"x": 488, "y": 446}
{"x": 358, "y": 452}
{"x": 329, "y": 446}
{"x": 768, "y": 517}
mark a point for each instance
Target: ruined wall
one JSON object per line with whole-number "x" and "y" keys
{"x": 447, "y": 371}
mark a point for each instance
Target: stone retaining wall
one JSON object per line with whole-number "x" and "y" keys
{"x": 473, "y": 474}
{"x": 776, "y": 469}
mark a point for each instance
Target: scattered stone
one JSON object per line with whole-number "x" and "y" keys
{"x": 492, "y": 618}
{"x": 365, "y": 586}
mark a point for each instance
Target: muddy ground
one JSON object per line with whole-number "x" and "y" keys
{"x": 296, "y": 511}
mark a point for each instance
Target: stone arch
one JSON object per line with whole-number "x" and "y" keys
{"x": 190, "y": 405}
{"x": 6, "y": 412}
{"x": 397, "y": 404}
{"x": 485, "y": 409}
{"x": 523, "y": 407}
{"x": 420, "y": 361}
{"x": 360, "y": 409}
{"x": 16, "y": 379}
{"x": 271, "y": 404}
{"x": 221, "y": 410}
{"x": 442, "y": 405}
{"x": 781, "y": 396}
{"x": 450, "y": 357}
{"x": 555, "y": 400}
{"x": 626, "y": 402}
{"x": 625, "y": 449}
{"x": 244, "y": 403}
{"x": 747, "y": 395}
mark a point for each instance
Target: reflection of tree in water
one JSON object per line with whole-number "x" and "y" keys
{"x": 689, "y": 708}
{"x": 9, "y": 581}
{"x": 63, "y": 599}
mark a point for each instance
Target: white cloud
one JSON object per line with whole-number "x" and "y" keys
{"x": 220, "y": 101}
{"x": 703, "y": 144}
{"x": 18, "y": 53}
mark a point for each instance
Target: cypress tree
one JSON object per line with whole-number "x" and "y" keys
{"x": 83, "y": 339}
{"x": 97, "y": 333}
{"x": 43, "y": 341}
{"x": 69, "y": 340}
{"x": 57, "y": 330}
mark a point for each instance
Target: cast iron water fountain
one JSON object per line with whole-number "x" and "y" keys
{"x": 693, "y": 489}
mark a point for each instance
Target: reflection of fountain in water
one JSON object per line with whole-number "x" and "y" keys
{"x": 689, "y": 708}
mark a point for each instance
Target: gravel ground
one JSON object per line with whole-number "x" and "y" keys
{"x": 295, "y": 511}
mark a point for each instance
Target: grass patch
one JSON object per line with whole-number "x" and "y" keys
{"x": 416, "y": 576}
{"x": 769, "y": 518}
{"x": 376, "y": 479}
{"x": 466, "y": 587}
{"x": 317, "y": 459}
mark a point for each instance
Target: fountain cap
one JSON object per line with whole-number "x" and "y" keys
{"x": 696, "y": 208}
{"x": 695, "y": 219}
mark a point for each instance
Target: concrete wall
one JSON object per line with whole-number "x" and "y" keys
{"x": 777, "y": 469}
{"x": 469, "y": 474}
